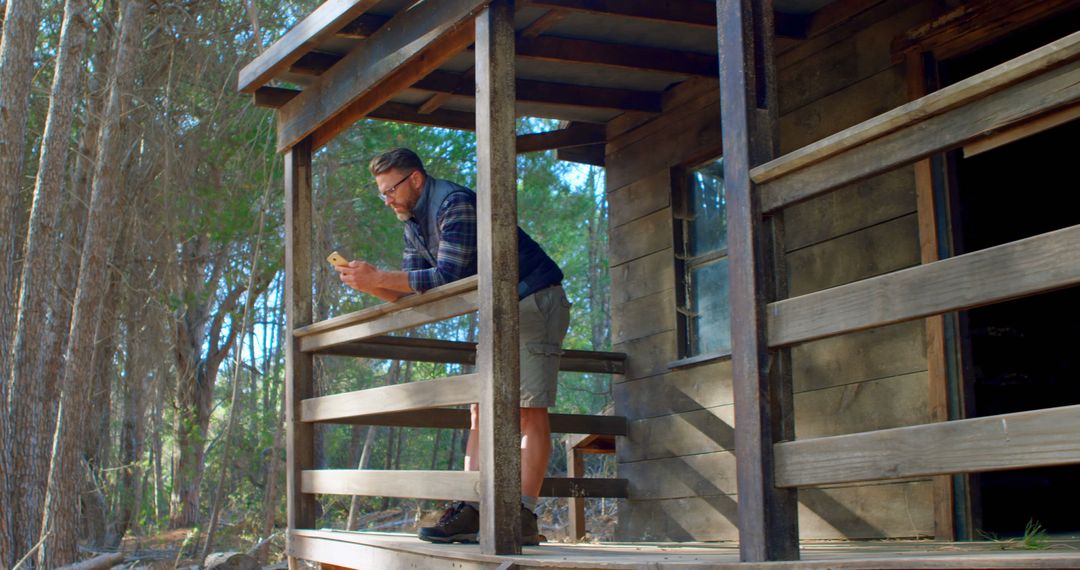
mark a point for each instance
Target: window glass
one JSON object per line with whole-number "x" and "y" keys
{"x": 712, "y": 327}
{"x": 707, "y": 209}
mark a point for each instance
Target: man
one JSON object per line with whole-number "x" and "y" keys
{"x": 440, "y": 247}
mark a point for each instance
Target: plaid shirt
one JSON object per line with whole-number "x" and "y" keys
{"x": 456, "y": 258}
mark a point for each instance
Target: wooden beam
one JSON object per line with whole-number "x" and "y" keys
{"x": 323, "y": 22}
{"x": 973, "y": 24}
{"x": 363, "y": 26}
{"x": 454, "y": 289}
{"x": 466, "y": 84}
{"x": 618, "y": 56}
{"x": 458, "y": 352}
{"x": 581, "y": 487}
{"x": 767, "y": 516}
{"x": 408, "y": 47}
{"x": 496, "y": 225}
{"x": 542, "y": 24}
{"x": 993, "y": 443}
{"x": 315, "y": 63}
{"x": 593, "y": 154}
{"x": 452, "y": 391}
{"x": 1017, "y": 269}
{"x": 448, "y": 485}
{"x": 575, "y": 467}
{"x": 530, "y": 91}
{"x": 435, "y": 311}
{"x": 450, "y": 418}
{"x": 273, "y": 97}
{"x": 1022, "y": 131}
{"x": 442, "y": 118}
{"x": 701, "y": 13}
{"x": 299, "y": 367}
{"x": 988, "y": 97}
{"x": 574, "y": 135}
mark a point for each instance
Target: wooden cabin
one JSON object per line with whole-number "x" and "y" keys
{"x": 844, "y": 239}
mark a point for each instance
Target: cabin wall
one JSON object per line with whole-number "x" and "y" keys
{"x": 678, "y": 454}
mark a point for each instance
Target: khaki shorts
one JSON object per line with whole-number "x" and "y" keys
{"x": 545, "y": 316}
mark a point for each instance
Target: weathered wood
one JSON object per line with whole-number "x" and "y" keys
{"x": 871, "y": 251}
{"x": 698, "y": 475}
{"x": 883, "y": 352}
{"x": 689, "y": 433}
{"x": 690, "y": 12}
{"x": 350, "y": 552}
{"x": 315, "y": 63}
{"x": 453, "y": 289}
{"x": 451, "y": 391}
{"x": 416, "y": 315}
{"x": 643, "y": 276}
{"x": 496, "y": 214}
{"x": 1007, "y": 441}
{"x": 579, "y": 487}
{"x": 407, "y": 48}
{"x": 323, "y": 22}
{"x": 433, "y": 350}
{"x": 651, "y": 355}
{"x": 575, "y": 467}
{"x": 640, "y": 237}
{"x": 573, "y": 135}
{"x": 450, "y": 485}
{"x": 641, "y": 197}
{"x": 299, "y": 371}
{"x": 975, "y": 23}
{"x": 684, "y": 390}
{"x": 617, "y": 56}
{"x": 593, "y": 154}
{"x": 1024, "y": 267}
{"x": 363, "y": 26}
{"x": 466, "y": 83}
{"x": 1024, "y": 130}
{"x": 542, "y": 24}
{"x": 865, "y": 203}
{"x": 99, "y": 562}
{"x": 943, "y": 119}
{"x": 643, "y": 317}
{"x": 881, "y": 403}
{"x": 459, "y": 419}
{"x": 273, "y": 97}
{"x": 767, "y": 516}
{"x": 445, "y": 118}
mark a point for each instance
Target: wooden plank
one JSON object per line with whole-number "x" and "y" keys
{"x": 688, "y": 433}
{"x": 640, "y": 197}
{"x": 581, "y": 487}
{"x": 871, "y": 251}
{"x": 711, "y": 518}
{"x": 273, "y": 97}
{"x": 699, "y": 475}
{"x": 1025, "y": 267}
{"x": 497, "y": 255}
{"x": 872, "y": 404}
{"x": 643, "y": 317}
{"x": 651, "y": 355}
{"x": 443, "y": 118}
{"x": 323, "y": 22}
{"x": 575, "y": 467}
{"x": 767, "y": 516}
{"x": 891, "y": 510}
{"x": 848, "y": 209}
{"x": 451, "y": 391}
{"x": 617, "y": 56}
{"x": 299, "y": 367}
{"x": 684, "y": 390}
{"x": 573, "y": 135}
{"x": 986, "y": 101}
{"x": 413, "y": 316}
{"x": 433, "y": 350}
{"x": 321, "y": 546}
{"x": 883, "y": 352}
{"x": 408, "y": 47}
{"x": 593, "y": 154}
{"x": 643, "y": 276}
{"x": 640, "y": 237}
{"x": 542, "y": 24}
{"x": 689, "y": 12}
{"x": 459, "y": 419}
{"x": 974, "y": 24}
{"x": 1046, "y": 122}
{"x": 453, "y": 289}
{"x": 363, "y": 26}
{"x": 1023, "y": 439}
{"x": 449, "y": 485}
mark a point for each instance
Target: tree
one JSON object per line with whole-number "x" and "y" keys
{"x": 59, "y": 522}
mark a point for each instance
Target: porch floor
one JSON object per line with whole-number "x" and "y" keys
{"x": 388, "y": 550}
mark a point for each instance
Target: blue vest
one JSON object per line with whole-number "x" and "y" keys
{"x": 535, "y": 269}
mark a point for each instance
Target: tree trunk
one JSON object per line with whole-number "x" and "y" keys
{"x": 61, "y": 504}
{"x": 31, "y": 387}
{"x": 16, "y": 71}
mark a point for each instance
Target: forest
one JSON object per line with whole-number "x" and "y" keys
{"x": 141, "y": 318}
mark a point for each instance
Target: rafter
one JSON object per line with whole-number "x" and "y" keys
{"x": 531, "y": 91}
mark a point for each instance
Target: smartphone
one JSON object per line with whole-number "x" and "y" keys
{"x": 336, "y": 259}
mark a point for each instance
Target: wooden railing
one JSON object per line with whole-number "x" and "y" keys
{"x": 1013, "y": 94}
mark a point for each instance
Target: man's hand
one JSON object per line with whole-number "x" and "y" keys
{"x": 359, "y": 275}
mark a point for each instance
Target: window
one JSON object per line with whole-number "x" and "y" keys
{"x": 701, "y": 264}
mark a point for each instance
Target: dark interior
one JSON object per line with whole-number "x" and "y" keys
{"x": 1023, "y": 354}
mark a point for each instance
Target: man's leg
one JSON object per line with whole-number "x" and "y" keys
{"x": 535, "y": 449}
{"x": 472, "y": 448}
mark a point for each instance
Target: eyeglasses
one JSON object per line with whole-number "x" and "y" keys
{"x": 389, "y": 193}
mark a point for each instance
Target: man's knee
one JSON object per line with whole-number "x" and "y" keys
{"x": 536, "y": 418}
{"x": 474, "y": 414}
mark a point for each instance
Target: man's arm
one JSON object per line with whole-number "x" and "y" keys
{"x": 365, "y": 277}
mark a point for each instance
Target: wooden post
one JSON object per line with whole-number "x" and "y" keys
{"x": 496, "y": 225}
{"x": 575, "y": 468}
{"x": 768, "y": 523}
{"x": 299, "y": 379}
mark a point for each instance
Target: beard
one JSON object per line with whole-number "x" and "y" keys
{"x": 403, "y": 216}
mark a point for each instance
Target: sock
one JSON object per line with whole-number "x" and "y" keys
{"x": 529, "y": 502}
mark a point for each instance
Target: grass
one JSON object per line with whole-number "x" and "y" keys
{"x": 1035, "y": 537}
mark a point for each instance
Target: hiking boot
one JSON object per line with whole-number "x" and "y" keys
{"x": 459, "y": 523}
{"x": 530, "y": 534}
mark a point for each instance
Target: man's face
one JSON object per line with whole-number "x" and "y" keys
{"x": 400, "y": 190}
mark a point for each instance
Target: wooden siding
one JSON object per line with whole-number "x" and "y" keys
{"x": 678, "y": 451}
